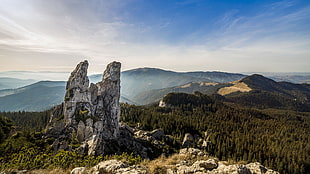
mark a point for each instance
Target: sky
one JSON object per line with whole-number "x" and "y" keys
{"x": 178, "y": 35}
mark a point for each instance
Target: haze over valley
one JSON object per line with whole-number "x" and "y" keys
{"x": 140, "y": 86}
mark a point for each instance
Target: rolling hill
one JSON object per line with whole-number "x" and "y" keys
{"x": 147, "y": 85}
{"x": 133, "y": 82}
{"x": 155, "y": 95}
{"x": 10, "y": 83}
{"x": 137, "y": 82}
{"x": 267, "y": 93}
{"x": 36, "y": 97}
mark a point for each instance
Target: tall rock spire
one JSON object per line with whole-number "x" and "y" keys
{"x": 76, "y": 92}
{"x": 108, "y": 98}
{"x": 91, "y": 112}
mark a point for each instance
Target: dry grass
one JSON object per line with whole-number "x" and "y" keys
{"x": 161, "y": 164}
{"x": 157, "y": 166}
{"x": 232, "y": 162}
{"x": 238, "y": 87}
{"x": 50, "y": 171}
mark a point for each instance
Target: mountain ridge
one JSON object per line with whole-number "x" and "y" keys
{"x": 267, "y": 93}
{"x": 143, "y": 86}
{"x": 9, "y": 83}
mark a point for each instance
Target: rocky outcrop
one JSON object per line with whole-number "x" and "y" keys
{"x": 251, "y": 168}
{"x": 196, "y": 141}
{"x": 99, "y": 101}
{"x": 90, "y": 113}
{"x": 115, "y": 167}
{"x": 188, "y": 161}
{"x": 77, "y": 96}
{"x": 110, "y": 166}
{"x": 188, "y": 140}
{"x": 191, "y": 152}
{"x": 89, "y": 117}
{"x": 78, "y": 170}
{"x": 212, "y": 166}
{"x": 147, "y": 144}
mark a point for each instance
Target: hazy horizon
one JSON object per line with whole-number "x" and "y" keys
{"x": 63, "y": 76}
{"x": 178, "y": 35}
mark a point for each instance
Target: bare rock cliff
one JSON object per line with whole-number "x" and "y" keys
{"x": 88, "y": 119}
{"x": 90, "y": 113}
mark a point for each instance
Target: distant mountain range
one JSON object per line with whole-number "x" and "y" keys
{"x": 9, "y": 83}
{"x": 36, "y": 97}
{"x": 155, "y": 95}
{"x": 138, "y": 81}
{"x": 138, "y": 86}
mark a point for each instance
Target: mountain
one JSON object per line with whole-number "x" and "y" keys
{"x": 138, "y": 86}
{"x": 217, "y": 76}
{"x": 252, "y": 91}
{"x": 35, "y": 75}
{"x": 148, "y": 85}
{"x": 9, "y": 83}
{"x": 266, "y": 93}
{"x": 137, "y": 81}
{"x": 36, "y": 97}
{"x": 293, "y": 77}
{"x": 6, "y": 92}
{"x": 155, "y": 95}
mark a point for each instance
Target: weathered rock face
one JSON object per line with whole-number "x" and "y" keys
{"x": 77, "y": 96}
{"x": 89, "y": 118}
{"x": 106, "y": 104}
{"x": 90, "y": 112}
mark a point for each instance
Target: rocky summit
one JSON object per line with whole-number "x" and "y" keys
{"x": 89, "y": 118}
{"x": 89, "y": 113}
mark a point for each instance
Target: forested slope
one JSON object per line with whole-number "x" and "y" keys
{"x": 277, "y": 138}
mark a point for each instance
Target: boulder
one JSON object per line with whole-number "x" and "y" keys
{"x": 242, "y": 169}
{"x": 136, "y": 169}
{"x": 158, "y": 134}
{"x": 209, "y": 164}
{"x": 110, "y": 166}
{"x": 191, "y": 151}
{"x": 258, "y": 168}
{"x": 188, "y": 141}
{"x": 78, "y": 170}
{"x": 251, "y": 168}
{"x": 117, "y": 167}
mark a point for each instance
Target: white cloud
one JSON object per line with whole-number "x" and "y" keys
{"x": 94, "y": 30}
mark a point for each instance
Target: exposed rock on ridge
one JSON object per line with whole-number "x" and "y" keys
{"x": 89, "y": 119}
{"x": 90, "y": 112}
{"x": 76, "y": 92}
{"x": 188, "y": 161}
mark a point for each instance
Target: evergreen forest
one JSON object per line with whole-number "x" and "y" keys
{"x": 277, "y": 138}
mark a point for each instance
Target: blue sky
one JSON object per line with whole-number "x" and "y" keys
{"x": 180, "y": 35}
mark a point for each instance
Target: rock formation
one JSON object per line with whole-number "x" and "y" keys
{"x": 90, "y": 112}
{"x": 188, "y": 161}
{"x": 89, "y": 118}
{"x": 188, "y": 141}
